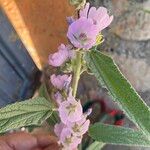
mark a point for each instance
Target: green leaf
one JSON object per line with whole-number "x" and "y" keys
{"x": 43, "y": 91}
{"x": 54, "y": 118}
{"x": 96, "y": 146}
{"x": 26, "y": 113}
{"x": 120, "y": 89}
{"x": 118, "y": 135}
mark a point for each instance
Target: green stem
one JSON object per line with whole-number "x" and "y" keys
{"x": 76, "y": 70}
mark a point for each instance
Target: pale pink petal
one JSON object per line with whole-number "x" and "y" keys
{"x": 101, "y": 11}
{"x": 84, "y": 12}
{"x": 88, "y": 112}
{"x": 85, "y": 127}
{"x": 60, "y": 81}
{"x": 70, "y": 110}
{"x": 105, "y": 22}
{"x": 69, "y": 141}
{"x": 58, "y": 128}
{"x": 77, "y": 114}
{"x": 99, "y": 16}
{"x": 57, "y": 59}
{"x": 92, "y": 12}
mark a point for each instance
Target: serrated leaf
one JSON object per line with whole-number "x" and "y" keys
{"x": 43, "y": 92}
{"x": 26, "y": 113}
{"x": 118, "y": 135}
{"x": 120, "y": 89}
{"x": 96, "y": 146}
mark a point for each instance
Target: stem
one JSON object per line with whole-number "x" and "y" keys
{"x": 76, "y": 70}
{"x": 80, "y": 146}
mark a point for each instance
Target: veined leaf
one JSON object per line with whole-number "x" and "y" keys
{"x": 118, "y": 135}
{"x": 26, "y": 113}
{"x": 96, "y": 146}
{"x": 120, "y": 89}
{"x": 43, "y": 92}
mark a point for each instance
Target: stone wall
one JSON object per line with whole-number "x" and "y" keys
{"x": 128, "y": 40}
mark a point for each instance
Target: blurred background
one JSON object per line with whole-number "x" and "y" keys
{"x": 30, "y": 30}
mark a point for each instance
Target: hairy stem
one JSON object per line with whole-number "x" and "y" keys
{"x": 77, "y": 71}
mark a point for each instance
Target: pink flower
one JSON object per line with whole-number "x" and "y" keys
{"x": 60, "y": 81}
{"x": 58, "y": 128}
{"x": 99, "y": 16}
{"x": 80, "y": 127}
{"x": 69, "y": 141}
{"x": 58, "y": 58}
{"x": 70, "y": 110}
{"x": 82, "y": 33}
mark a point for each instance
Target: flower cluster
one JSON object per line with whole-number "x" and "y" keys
{"x": 82, "y": 34}
{"x": 73, "y": 122}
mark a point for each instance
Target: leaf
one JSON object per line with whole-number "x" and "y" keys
{"x": 96, "y": 146}
{"x": 43, "y": 91}
{"x": 54, "y": 118}
{"x": 120, "y": 89}
{"x": 118, "y": 135}
{"x": 26, "y": 113}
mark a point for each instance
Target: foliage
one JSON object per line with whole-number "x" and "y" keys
{"x": 22, "y": 114}
{"x": 120, "y": 89}
{"x": 118, "y": 135}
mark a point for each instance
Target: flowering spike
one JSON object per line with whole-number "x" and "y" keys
{"x": 83, "y": 33}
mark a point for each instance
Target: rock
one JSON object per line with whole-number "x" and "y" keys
{"x": 131, "y": 20}
{"x": 133, "y": 58}
{"x": 137, "y": 71}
